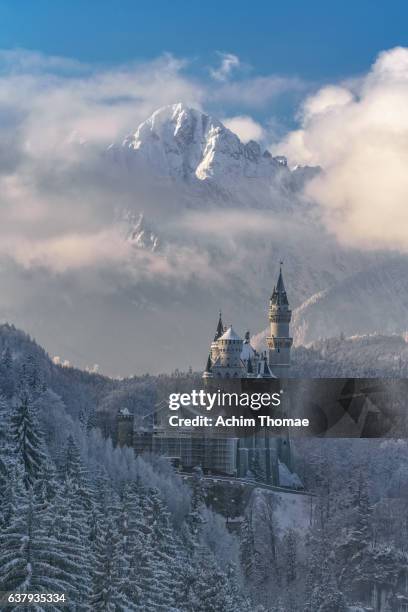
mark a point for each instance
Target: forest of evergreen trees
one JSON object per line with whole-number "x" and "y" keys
{"x": 117, "y": 532}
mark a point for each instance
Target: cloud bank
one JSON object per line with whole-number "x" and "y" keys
{"x": 358, "y": 133}
{"x": 57, "y": 116}
{"x": 245, "y": 128}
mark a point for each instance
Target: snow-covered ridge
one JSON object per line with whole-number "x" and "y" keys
{"x": 184, "y": 143}
{"x": 138, "y": 232}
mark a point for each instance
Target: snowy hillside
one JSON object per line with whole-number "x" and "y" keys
{"x": 363, "y": 356}
{"x": 79, "y": 512}
{"x": 368, "y": 301}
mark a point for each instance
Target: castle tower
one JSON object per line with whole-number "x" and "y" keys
{"x": 279, "y": 342}
{"x": 228, "y": 363}
{"x": 125, "y": 422}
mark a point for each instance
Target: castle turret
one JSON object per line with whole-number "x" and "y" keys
{"x": 279, "y": 341}
{"x": 229, "y": 363}
{"x": 125, "y": 422}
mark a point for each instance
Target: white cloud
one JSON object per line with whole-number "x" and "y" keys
{"x": 53, "y": 106}
{"x": 358, "y": 134}
{"x": 56, "y": 118}
{"x": 245, "y": 127}
{"x": 228, "y": 63}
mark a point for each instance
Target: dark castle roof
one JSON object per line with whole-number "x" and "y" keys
{"x": 220, "y": 329}
{"x": 279, "y": 297}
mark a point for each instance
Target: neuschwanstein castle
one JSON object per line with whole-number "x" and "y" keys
{"x": 232, "y": 357}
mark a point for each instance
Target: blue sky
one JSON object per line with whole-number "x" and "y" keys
{"x": 316, "y": 39}
{"x": 315, "y": 42}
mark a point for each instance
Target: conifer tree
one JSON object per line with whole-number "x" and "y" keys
{"x": 107, "y": 588}
{"x": 326, "y": 597}
{"x": 28, "y": 441}
{"x": 214, "y": 592}
{"x": 195, "y": 519}
{"x": 67, "y": 524}
{"x": 7, "y": 381}
{"x": 130, "y": 543}
{"x": 167, "y": 554}
{"x": 29, "y": 555}
{"x": 351, "y": 548}
{"x": 6, "y": 456}
{"x": 290, "y": 544}
{"x": 247, "y": 552}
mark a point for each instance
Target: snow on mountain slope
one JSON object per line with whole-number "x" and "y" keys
{"x": 372, "y": 300}
{"x": 364, "y": 356}
{"x": 207, "y": 162}
{"x": 181, "y": 142}
{"x": 138, "y": 232}
{"x": 368, "y": 300}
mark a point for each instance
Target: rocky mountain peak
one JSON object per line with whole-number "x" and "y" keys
{"x": 181, "y": 142}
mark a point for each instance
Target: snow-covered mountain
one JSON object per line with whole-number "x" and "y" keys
{"x": 374, "y": 299}
{"x": 138, "y": 233}
{"x": 193, "y": 149}
{"x": 180, "y": 142}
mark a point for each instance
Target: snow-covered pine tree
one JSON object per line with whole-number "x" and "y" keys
{"x": 31, "y": 376}
{"x": 155, "y": 579}
{"x": 107, "y": 587}
{"x": 5, "y": 429}
{"x": 317, "y": 553}
{"x": 29, "y": 555}
{"x": 290, "y": 551}
{"x": 73, "y": 471}
{"x": 28, "y": 439}
{"x": 326, "y": 596}
{"x": 130, "y": 542}
{"x": 352, "y": 545}
{"x": 6, "y": 456}
{"x": 168, "y": 559}
{"x": 247, "y": 549}
{"x": 195, "y": 517}
{"x": 213, "y": 591}
{"x": 67, "y": 524}
{"x": 7, "y": 380}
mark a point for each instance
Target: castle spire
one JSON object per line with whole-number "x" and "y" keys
{"x": 220, "y": 328}
{"x": 279, "y": 296}
{"x": 279, "y": 341}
